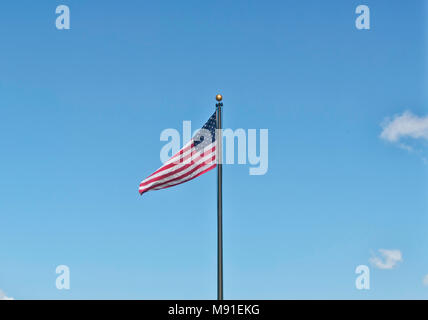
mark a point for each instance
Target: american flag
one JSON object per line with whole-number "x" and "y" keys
{"x": 197, "y": 157}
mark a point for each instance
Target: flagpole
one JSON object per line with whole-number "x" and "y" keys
{"x": 219, "y": 139}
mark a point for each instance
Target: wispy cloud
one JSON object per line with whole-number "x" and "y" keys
{"x": 3, "y": 296}
{"x": 405, "y": 125}
{"x": 425, "y": 280}
{"x": 388, "y": 259}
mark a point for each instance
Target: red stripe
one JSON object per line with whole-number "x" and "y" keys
{"x": 183, "y": 150}
{"x": 200, "y": 173}
{"x": 178, "y": 161}
{"x": 207, "y": 162}
{"x": 179, "y": 153}
{"x": 146, "y": 182}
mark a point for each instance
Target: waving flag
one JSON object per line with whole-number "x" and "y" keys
{"x": 196, "y": 158}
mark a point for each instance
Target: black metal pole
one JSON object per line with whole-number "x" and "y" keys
{"x": 219, "y": 139}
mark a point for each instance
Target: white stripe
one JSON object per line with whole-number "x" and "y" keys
{"x": 184, "y": 179}
{"x": 174, "y": 176}
{"x": 208, "y": 157}
{"x": 195, "y": 155}
{"x": 178, "y": 153}
{"x": 176, "y": 158}
{"x": 195, "y": 158}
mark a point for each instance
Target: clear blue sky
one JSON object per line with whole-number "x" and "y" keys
{"x": 81, "y": 112}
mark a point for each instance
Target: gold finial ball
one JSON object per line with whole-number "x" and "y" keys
{"x": 219, "y": 97}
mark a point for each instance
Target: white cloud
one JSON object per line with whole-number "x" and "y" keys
{"x": 3, "y": 296}
{"x": 388, "y": 259}
{"x": 406, "y": 125}
{"x": 425, "y": 280}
